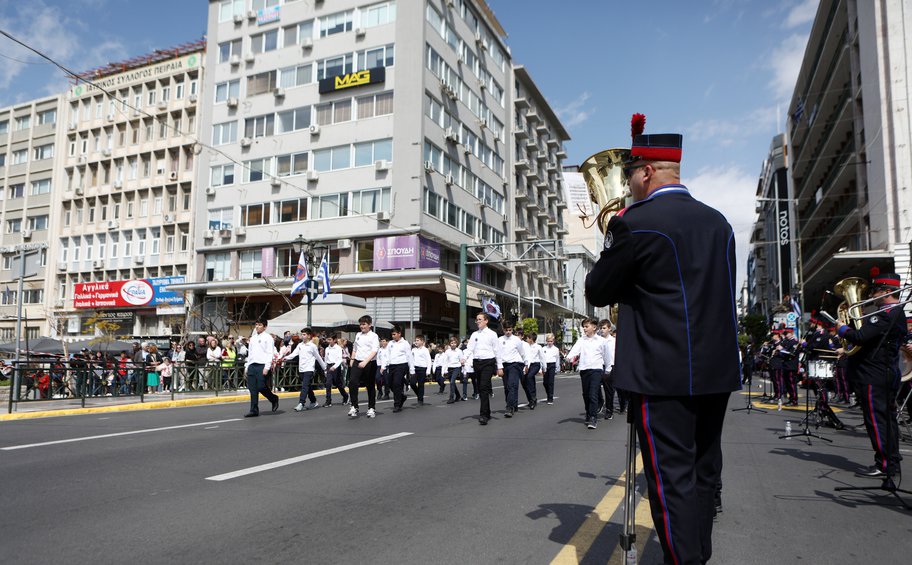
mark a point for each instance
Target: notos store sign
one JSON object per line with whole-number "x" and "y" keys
{"x": 351, "y": 80}
{"x": 127, "y": 294}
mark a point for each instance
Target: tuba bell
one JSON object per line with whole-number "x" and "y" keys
{"x": 851, "y": 289}
{"x": 604, "y": 175}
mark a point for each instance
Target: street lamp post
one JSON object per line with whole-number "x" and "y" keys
{"x": 312, "y": 250}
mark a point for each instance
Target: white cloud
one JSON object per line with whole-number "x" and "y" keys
{"x": 730, "y": 190}
{"x": 785, "y": 62}
{"x": 575, "y": 113}
{"x": 731, "y": 131}
{"x": 801, "y": 14}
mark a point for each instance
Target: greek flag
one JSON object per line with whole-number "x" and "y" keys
{"x": 301, "y": 276}
{"x": 323, "y": 275}
{"x": 489, "y": 307}
{"x": 795, "y": 308}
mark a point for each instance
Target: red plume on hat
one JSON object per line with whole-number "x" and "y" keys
{"x": 637, "y": 125}
{"x": 875, "y": 271}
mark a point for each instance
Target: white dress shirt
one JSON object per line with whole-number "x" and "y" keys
{"x": 308, "y": 356}
{"x": 422, "y": 357}
{"x": 550, "y": 354}
{"x": 513, "y": 350}
{"x": 534, "y": 354}
{"x": 611, "y": 343}
{"x": 333, "y": 356}
{"x": 399, "y": 352}
{"x": 452, "y": 358}
{"x": 261, "y": 350}
{"x": 383, "y": 357}
{"x": 593, "y": 353}
{"x": 367, "y": 344}
{"x": 484, "y": 345}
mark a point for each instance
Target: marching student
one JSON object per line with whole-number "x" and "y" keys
{"x": 484, "y": 349}
{"x": 363, "y": 367}
{"x": 400, "y": 365}
{"x": 550, "y": 356}
{"x": 308, "y": 357}
{"x": 440, "y": 368}
{"x": 382, "y": 372}
{"x": 513, "y": 354}
{"x": 592, "y": 352}
{"x": 334, "y": 362}
{"x": 453, "y": 361}
{"x": 259, "y": 363}
{"x": 608, "y": 387}
{"x": 468, "y": 374}
{"x": 422, "y": 358}
{"x": 534, "y": 359}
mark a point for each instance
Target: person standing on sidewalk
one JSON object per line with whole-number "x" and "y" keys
{"x": 364, "y": 367}
{"x": 259, "y": 362}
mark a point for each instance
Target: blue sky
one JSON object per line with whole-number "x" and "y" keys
{"x": 718, "y": 71}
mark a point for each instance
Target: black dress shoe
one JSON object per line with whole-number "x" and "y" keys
{"x": 532, "y": 404}
{"x": 275, "y": 404}
{"x": 508, "y": 413}
{"x": 397, "y": 409}
{"x": 451, "y": 401}
{"x": 251, "y": 414}
{"x": 483, "y": 421}
{"x": 386, "y": 397}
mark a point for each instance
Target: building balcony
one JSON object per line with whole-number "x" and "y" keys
{"x": 560, "y": 153}
{"x": 521, "y": 164}
{"x": 532, "y": 115}
{"x": 520, "y": 131}
{"x": 521, "y": 102}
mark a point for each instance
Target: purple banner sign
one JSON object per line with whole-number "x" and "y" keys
{"x": 429, "y": 254}
{"x": 405, "y": 252}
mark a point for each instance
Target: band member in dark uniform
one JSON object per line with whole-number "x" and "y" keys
{"x": 669, "y": 261}
{"x": 875, "y": 371}
{"x": 775, "y": 366}
{"x": 789, "y": 354}
{"x": 839, "y": 371}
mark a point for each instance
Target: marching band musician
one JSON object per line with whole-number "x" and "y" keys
{"x": 789, "y": 354}
{"x": 875, "y": 371}
{"x": 775, "y": 366}
{"x": 669, "y": 261}
{"x": 839, "y": 371}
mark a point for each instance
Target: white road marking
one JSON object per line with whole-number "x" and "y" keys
{"x": 309, "y": 456}
{"x": 210, "y": 428}
{"x": 87, "y": 438}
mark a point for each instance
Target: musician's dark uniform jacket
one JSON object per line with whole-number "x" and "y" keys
{"x": 669, "y": 261}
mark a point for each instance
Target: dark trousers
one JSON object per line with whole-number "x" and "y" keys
{"x": 484, "y": 370}
{"x": 681, "y": 444}
{"x": 777, "y": 383}
{"x": 842, "y": 385}
{"x": 367, "y": 374}
{"x": 548, "y": 380}
{"x": 334, "y": 379}
{"x": 608, "y": 388}
{"x": 591, "y": 380}
{"x": 528, "y": 383}
{"x": 789, "y": 379}
{"x": 879, "y": 408}
{"x": 511, "y": 378}
{"x": 258, "y": 383}
{"x": 397, "y": 374}
{"x": 438, "y": 373}
{"x": 418, "y": 382}
{"x": 307, "y": 392}
{"x": 454, "y": 372}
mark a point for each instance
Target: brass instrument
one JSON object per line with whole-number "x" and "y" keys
{"x": 604, "y": 174}
{"x": 851, "y": 290}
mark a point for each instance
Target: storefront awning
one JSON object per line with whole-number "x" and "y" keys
{"x": 337, "y": 312}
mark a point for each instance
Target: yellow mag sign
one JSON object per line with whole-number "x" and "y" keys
{"x": 350, "y": 80}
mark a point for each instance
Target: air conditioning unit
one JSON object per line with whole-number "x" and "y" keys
{"x": 382, "y": 165}
{"x": 451, "y": 3}
{"x": 279, "y": 92}
{"x": 62, "y": 265}
{"x": 98, "y": 264}
{"x": 275, "y": 182}
{"x": 307, "y": 43}
{"x": 58, "y": 303}
{"x": 232, "y": 102}
{"x": 313, "y": 176}
{"x": 452, "y": 135}
{"x": 238, "y": 18}
{"x": 479, "y": 41}
{"x": 483, "y": 123}
{"x": 208, "y": 234}
{"x": 26, "y": 234}
{"x": 192, "y": 98}
{"x": 460, "y": 59}
{"x": 315, "y": 129}
{"x": 240, "y": 230}
{"x": 344, "y": 244}
{"x": 482, "y": 85}
{"x": 360, "y": 32}
{"x": 225, "y": 232}
{"x": 210, "y": 191}
{"x": 113, "y": 224}
{"x": 449, "y": 180}
{"x": 106, "y": 152}
{"x": 139, "y": 259}
{"x": 79, "y": 191}
{"x": 234, "y": 60}
{"x": 428, "y": 167}
{"x": 251, "y": 14}
{"x": 162, "y": 105}
{"x": 118, "y": 184}
{"x": 169, "y": 218}
{"x": 383, "y": 216}
{"x": 249, "y": 58}
{"x": 246, "y": 141}
{"x": 110, "y": 117}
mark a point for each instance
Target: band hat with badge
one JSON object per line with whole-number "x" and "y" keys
{"x": 653, "y": 147}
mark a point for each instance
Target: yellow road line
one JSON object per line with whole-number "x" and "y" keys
{"x": 581, "y": 542}
{"x": 644, "y": 529}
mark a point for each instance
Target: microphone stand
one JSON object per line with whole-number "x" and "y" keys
{"x": 806, "y": 432}
{"x": 750, "y": 405}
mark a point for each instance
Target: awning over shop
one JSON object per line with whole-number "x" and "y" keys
{"x": 336, "y": 312}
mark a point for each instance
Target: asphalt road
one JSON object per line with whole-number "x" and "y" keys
{"x": 428, "y": 485}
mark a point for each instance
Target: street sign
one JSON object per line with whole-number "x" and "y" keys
{"x": 312, "y": 287}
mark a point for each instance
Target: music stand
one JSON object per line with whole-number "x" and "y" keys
{"x": 806, "y": 432}
{"x": 750, "y": 405}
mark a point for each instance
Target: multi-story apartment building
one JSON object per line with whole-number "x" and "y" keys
{"x": 28, "y": 144}
{"x": 122, "y": 209}
{"x": 850, "y": 144}
{"x": 377, "y": 130}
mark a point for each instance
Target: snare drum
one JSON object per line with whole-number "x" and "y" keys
{"x": 821, "y": 369}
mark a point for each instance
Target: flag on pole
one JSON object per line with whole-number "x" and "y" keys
{"x": 301, "y": 275}
{"x": 795, "y": 308}
{"x": 490, "y": 307}
{"x": 323, "y": 274}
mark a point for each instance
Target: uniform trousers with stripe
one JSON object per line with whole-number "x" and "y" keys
{"x": 681, "y": 444}
{"x": 878, "y": 406}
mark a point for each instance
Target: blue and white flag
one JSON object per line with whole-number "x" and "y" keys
{"x": 489, "y": 307}
{"x": 323, "y": 275}
{"x": 795, "y": 308}
{"x": 301, "y": 275}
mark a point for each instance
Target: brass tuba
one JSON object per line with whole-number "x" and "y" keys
{"x": 604, "y": 174}
{"x": 851, "y": 289}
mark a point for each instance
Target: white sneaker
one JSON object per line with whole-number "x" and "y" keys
{"x": 371, "y": 413}
{"x": 299, "y": 407}
{"x": 353, "y": 413}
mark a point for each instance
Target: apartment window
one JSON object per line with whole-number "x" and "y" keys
{"x": 296, "y": 33}
{"x": 293, "y": 164}
{"x": 251, "y": 264}
{"x": 14, "y": 225}
{"x": 255, "y": 215}
{"x": 169, "y": 244}
{"x": 226, "y": 90}
{"x": 230, "y": 8}
{"x": 218, "y": 266}
{"x": 336, "y": 23}
{"x": 156, "y": 242}
{"x": 43, "y": 152}
{"x": 364, "y": 253}
{"x": 33, "y": 296}
{"x": 370, "y": 201}
{"x": 260, "y": 126}
{"x": 143, "y": 207}
{"x": 179, "y": 91}
{"x": 293, "y": 120}
{"x": 296, "y": 76}
{"x": 157, "y": 206}
{"x": 4, "y": 126}
{"x": 332, "y": 158}
{"x": 37, "y": 222}
{"x": 378, "y": 14}
{"x": 261, "y": 83}
{"x": 42, "y": 186}
{"x": 47, "y": 117}
{"x": 262, "y": 4}
{"x": 16, "y": 190}
{"x": 292, "y": 210}
{"x": 228, "y": 49}
{"x": 375, "y": 105}
{"x": 23, "y": 122}
{"x": 264, "y": 42}
{"x": 368, "y": 152}
{"x": 378, "y": 57}
{"x": 330, "y": 206}
{"x": 335, "y": 66}
{"x": 151, "y": 96}
{"x": 222, "y": 175}
{"x": 334, "y": 112}
{"x": 257, "y": 169}
{"x": 224, "y": 133}
{"x": 221, "y": 219}
{"x": 20, "y": 157}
